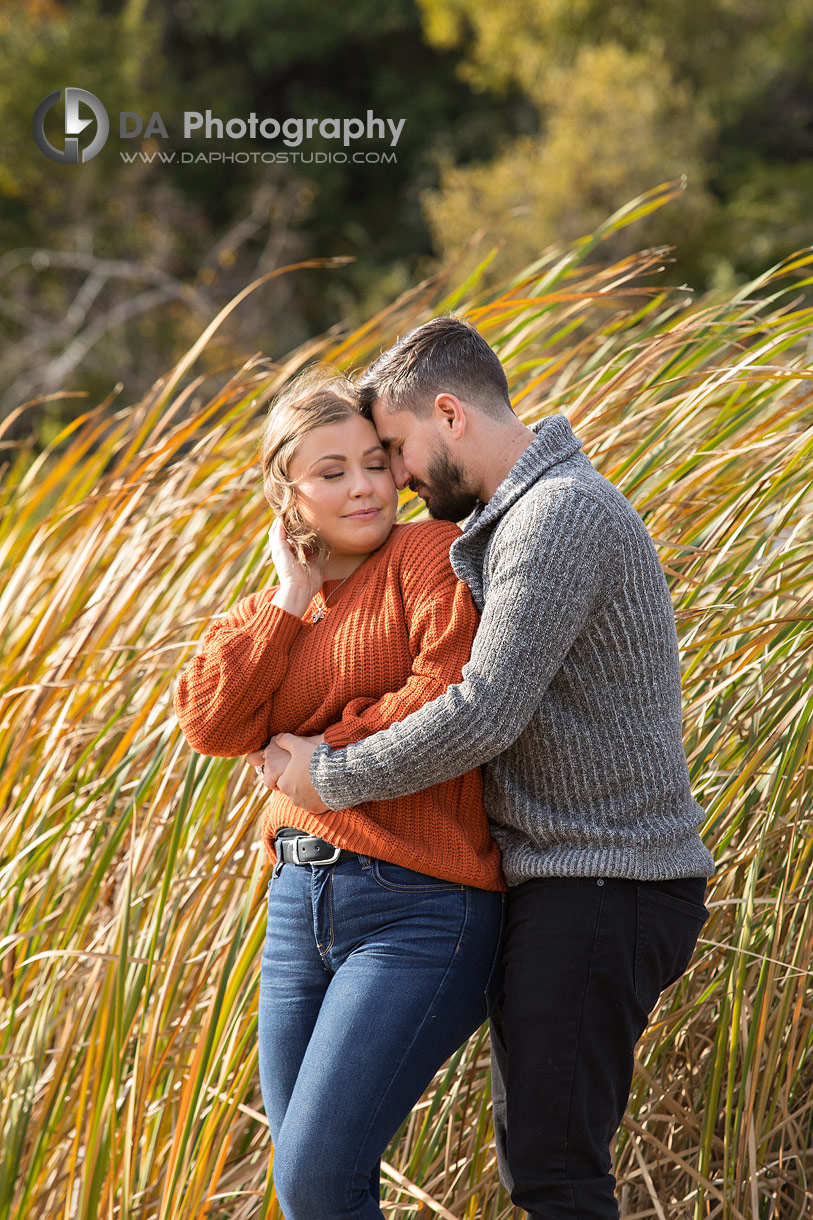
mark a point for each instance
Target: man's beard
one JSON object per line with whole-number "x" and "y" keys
{"x": 446, "y": 494}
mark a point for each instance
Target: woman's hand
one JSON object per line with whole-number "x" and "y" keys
{"x": 293, "y": 577}
{"x": 269, "y": 763}
{"x": 296, "y": 782}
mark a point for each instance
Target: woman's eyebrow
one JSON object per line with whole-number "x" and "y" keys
{"x": 341, "y": 457}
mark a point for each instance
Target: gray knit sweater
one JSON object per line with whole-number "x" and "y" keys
{"x": 571, "y": 698}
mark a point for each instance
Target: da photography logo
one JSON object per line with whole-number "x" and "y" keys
{"x": 74, "y": 124}
{"x": 291, "y": 132}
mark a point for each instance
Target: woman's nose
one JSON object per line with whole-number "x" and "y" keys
{"x": 362, "y": 484}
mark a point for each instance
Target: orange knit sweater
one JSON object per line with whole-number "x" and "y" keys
{"x": 396, "y": 634}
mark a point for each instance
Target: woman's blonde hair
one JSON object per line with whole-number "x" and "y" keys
{"x": 316, "y": 397}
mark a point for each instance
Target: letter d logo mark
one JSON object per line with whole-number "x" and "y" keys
{"x": 73, "y": 125}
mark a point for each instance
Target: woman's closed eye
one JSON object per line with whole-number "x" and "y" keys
{"x": 337, "y": 474}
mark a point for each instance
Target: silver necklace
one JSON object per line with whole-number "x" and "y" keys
{"x": 318, "y": 615}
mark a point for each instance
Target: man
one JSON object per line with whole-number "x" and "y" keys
{"x": 572, "y": 700}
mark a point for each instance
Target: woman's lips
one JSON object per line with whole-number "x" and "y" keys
{"x": 364, "y": 514}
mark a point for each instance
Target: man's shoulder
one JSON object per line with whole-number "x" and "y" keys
{"x": 571, "y": 491}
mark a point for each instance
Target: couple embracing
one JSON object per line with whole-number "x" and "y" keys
{"x": 480, "y": 799}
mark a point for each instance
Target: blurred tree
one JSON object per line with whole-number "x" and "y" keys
{"x": 534, "y": 117}
{"x": 109, "y": 269}
{"x": 616, "y": 125}
{"x": 727, "y": 96}
{"x": 314, "y": 58}
{"x": 94, "y": 269}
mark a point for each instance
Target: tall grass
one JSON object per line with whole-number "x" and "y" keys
{"x": 132, "y": 883}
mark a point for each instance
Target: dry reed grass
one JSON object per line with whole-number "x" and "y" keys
{"x": 133, "y": 882}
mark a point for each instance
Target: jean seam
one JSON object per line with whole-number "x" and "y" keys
{"x": 330, "y": 909}
{"x": 681, "y": 905}
{"x": 495, "y": 963}
{"x": 323, "y": 951}
{"x": 599, "y": 914}
{"x": 416, "y": 1033}
{"x": 685, "y": 910}
{"x": 451, "y": 886}
{"x": 637, "y": 964}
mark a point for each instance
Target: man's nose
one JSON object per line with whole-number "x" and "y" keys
{"x": 399, "y": 472}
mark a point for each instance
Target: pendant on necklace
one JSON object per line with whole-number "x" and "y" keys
{"x": 317, "y": 615}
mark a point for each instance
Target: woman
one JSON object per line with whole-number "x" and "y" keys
{"x": 384, "y": 921}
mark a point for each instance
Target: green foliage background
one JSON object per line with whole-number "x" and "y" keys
{"x": 527, "y": 123}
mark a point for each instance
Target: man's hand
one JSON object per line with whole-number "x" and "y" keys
{"x": 269, "y": 763}
{"x": 295, "y": 780}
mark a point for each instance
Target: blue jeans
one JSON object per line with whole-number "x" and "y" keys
{"x": 371, "y": 976}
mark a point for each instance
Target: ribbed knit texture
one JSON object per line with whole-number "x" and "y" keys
{"x": 394, "y": 636}
{"x": 572, "y": 694}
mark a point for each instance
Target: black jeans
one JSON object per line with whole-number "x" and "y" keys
{"x": 585, "y": 961}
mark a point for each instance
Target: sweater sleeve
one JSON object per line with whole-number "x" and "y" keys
{"x": 222, "y": 698}
{"x": 441, "y": 620}
{"x": 548, "y": 565}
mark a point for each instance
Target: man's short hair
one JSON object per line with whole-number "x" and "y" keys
{"x": 444, "y": 356}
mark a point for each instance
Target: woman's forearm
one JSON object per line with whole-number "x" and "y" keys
{"x": 222, "y": 699}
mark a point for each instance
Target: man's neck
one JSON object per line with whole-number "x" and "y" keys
{"x": 504, "y": 446}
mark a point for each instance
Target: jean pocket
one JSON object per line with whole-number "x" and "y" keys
{"x": 396, "y": 877}
{"x": 666, "y": 934}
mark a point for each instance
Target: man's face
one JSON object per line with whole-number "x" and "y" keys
{"x": 420, "y": 460}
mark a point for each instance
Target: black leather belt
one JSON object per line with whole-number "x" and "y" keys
{"x": 295, "y": 848}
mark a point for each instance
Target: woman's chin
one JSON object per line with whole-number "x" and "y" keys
{"x": 365, "y": 536}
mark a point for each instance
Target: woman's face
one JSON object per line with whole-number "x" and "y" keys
{"x": 345, "y": 491}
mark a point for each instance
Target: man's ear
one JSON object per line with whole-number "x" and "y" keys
{"x": 452, "y": 415}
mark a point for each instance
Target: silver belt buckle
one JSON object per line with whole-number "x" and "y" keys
{"x": 337, "y": 851}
